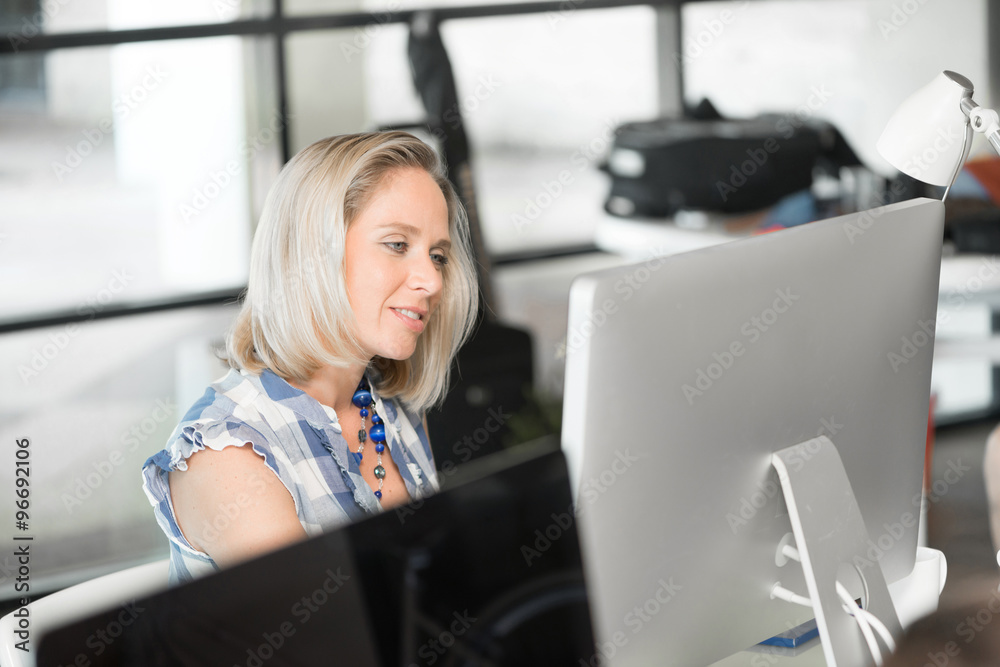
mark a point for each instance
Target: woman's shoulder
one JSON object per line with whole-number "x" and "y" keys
{"x": 225, "y": 396}
{"x": 226, "y": 414}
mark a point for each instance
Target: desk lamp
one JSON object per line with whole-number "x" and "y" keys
{"x": 924, "y": 138}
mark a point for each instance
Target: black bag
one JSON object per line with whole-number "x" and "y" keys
{"x": 729, "y": 166}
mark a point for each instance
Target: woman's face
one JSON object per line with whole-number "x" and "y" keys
{"x": 394, "y": 257}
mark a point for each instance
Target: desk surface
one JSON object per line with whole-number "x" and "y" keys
{"x": 810, "y": 655}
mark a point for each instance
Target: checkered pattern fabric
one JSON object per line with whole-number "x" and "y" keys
{"x": 300, "y": 440}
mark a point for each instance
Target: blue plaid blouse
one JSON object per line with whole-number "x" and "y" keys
{"x": 300, "y": 441}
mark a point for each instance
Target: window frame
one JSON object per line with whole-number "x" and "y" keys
{"x": 278, "y": 25}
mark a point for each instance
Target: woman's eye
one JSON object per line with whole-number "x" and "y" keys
{"x": 439, "y": 259}
{"x": 396, "y": 246}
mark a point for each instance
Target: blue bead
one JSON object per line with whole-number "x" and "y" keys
{"x": 377, "y": 433}
{"x": 380, "y": 448}
{"x": 364, "y": 412}
{"x": 376, "y": 419}
{"x": 378, "y": 494}
{"x": 362, "y": 398}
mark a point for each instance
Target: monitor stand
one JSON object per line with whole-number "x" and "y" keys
{"x": 830, "y": 538}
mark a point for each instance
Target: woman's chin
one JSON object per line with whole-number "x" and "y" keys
{"x": 401, "y": 353}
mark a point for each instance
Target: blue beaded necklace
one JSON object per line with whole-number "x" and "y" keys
{"x": 363, "y": 399}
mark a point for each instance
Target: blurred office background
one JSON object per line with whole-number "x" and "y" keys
{"x": 138, "y": 140}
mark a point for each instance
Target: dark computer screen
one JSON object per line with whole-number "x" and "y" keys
{"x": 486, "y": 572}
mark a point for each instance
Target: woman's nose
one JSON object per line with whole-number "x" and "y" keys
{"x": 425, "y": 274}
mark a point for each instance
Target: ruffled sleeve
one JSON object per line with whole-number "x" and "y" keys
{"x": 188, "y": 562}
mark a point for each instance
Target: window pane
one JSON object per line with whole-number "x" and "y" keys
{"x": 95, "y": 400}
{"x": 308, "y": 7}
{"x": 539, "y": 119}
{"x": 854, "y": 61}
{"x": 326, "y": 86}
{"x": 131, "y": 177}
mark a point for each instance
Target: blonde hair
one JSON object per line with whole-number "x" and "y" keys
{"x": 296, "y": 316}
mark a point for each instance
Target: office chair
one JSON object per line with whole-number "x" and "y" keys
{"x": 77, "y": 602}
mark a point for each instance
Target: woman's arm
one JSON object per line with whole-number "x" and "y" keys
{"x": 230, "y": 505}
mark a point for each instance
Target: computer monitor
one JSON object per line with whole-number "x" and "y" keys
{"x": 684, "y": 375}
{"x": 486, "y": 572}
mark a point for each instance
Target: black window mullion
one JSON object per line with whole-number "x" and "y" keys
{"x": 280, "y": 63}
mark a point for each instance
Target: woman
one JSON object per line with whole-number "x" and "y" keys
{"x": 362, "y": 288}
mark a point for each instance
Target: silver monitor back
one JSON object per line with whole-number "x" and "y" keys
{"x": 685, "y": 373}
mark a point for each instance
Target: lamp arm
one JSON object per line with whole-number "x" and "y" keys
{"x": 984, "y": 121}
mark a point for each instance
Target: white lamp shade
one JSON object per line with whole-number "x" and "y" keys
{"x": 925, "y": 138}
